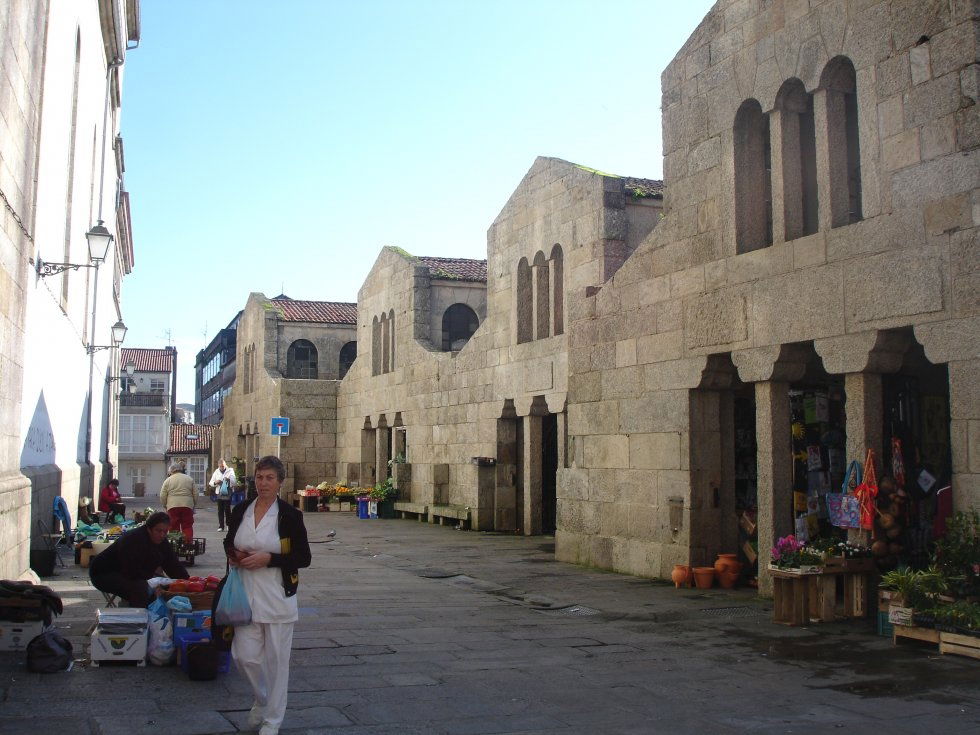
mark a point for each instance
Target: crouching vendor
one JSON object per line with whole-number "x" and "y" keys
{"x": 136, "y": 556}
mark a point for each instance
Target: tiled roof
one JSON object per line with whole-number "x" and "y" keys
{"x": 641, "y": 188}
{"x": 190, "y": 438}
{"x": 455, "y": 269}
{"x": 329, "y": 312}
{"x": 148, "y": 360}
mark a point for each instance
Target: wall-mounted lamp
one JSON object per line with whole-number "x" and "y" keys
{"x": 118, "y": 335}
{"x": 127, "y": 372}
{"x": 99, "y": 239}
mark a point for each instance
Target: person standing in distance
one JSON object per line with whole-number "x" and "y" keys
{"x": 267, "y": 541}
{"x": 180, "y": 499}
{"x": 223, "y": 481}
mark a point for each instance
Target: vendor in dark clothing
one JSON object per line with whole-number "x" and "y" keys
{"x": 135, "y": 557}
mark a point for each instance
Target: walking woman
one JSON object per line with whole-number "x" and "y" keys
{"x": 179, "y": 497}
{"x": 267, "y": 542}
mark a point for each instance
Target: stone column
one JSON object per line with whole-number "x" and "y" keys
{"x": 532, "y": 475}
{"x": 383, "y": 452}
{"x": 775, "y": 471}
{"x": 863, "y": 424}
{"x": 787, "y": 183}
{"x": 368, "y": 457}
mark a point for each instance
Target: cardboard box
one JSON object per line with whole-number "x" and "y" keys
{"x": 900, "y": 615}
{"x": 118, "y": 647}
{"x": 16, "y": 636}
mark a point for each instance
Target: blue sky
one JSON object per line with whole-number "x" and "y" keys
{"x": 279, "y": 146}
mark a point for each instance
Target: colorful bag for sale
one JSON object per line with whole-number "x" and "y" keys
{"x": 867, "y": 491}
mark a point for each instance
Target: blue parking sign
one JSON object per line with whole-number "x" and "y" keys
{"x": 280, "y": 426}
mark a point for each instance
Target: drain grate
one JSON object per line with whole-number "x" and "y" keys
{"x": 732, "y": 612}
{"x": 579, "y": 611}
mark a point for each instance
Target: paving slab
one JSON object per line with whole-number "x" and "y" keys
{"x": 414, "y": 628}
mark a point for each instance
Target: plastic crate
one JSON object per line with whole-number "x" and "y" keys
{"x": 196, "y": 619}
{"x": 362, "y": 508}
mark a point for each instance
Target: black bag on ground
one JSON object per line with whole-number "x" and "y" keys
{"x": 202, "y": 661}
{"x": 49, "y": 653}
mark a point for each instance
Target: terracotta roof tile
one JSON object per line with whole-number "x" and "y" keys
{"x": 190, "y": 438}
{"x": 328, "y": 312}
{"x": 455, "y": 269}
{"x": 148, "y": 360}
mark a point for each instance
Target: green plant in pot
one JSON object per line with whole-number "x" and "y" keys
{"x": 915, "y": 588}
{"x": 957, "y": 554}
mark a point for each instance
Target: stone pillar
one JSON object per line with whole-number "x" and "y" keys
{"x": 532, "y": 475}
{"x": 383, "y": 452}
{"x": 775, "y": 471}
{"x": 505, "y": 491}
{"x": 863, "y": 424}
{"x": 787, "y": 183}
{"x": 368, "y": 457}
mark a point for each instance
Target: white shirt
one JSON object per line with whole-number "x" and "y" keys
{"x": 218, "y": 476}
{"x": 264, "y": 586}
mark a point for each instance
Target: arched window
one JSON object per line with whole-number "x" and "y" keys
{"x": 348, "y": 353}
{"x": 558, "y": 289}
{"x": 753, "y": 185}
{"x": 843, "y": 147}
{"x": 525, "y": 302}
{"x": 301, "y": 360}
{"x": 385, "y": 344}
{"x": 391, "y": 330}
{"x": 798, "y": 147}
{"x": 459, "y": 322}
{"x": 542, "y": 295}
{"x": 375, "y": 347}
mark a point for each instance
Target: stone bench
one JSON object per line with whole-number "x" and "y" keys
{"x": 405, "y": 508}
{"x": 452, "y": 512}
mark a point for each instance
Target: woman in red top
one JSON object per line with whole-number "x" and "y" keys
{"x": 109, "y": 499}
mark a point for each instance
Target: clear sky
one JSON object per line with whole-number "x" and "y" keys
{"x": 277, "y": 146}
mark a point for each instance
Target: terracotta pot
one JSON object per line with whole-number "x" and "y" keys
{"x": 727, "y": 561}
{"x": 681, "y": 576}
{"x": 728, "y": 578}
{"x": 704, "y": 577}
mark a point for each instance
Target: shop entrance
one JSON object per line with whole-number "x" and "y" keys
{"x": 746, "y": 480}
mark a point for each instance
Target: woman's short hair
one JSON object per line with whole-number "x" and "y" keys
{"x": 271, "y": 462}
{"x": 175, "y": 467}
{"x": 157, "y": 518}
{"x": 114, "y": 481}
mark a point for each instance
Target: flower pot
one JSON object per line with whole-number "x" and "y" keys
{"x": 681, "y": 575}
{"x": 728, "y": 578}
{"x": 727, "y": 561}
{"x": 704, "y": 577}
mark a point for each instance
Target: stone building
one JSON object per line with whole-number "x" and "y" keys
{"x": 290, "y": 357}
{"x": 61, "y": 174}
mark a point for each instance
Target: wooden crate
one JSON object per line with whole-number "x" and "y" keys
{"x": 961, "y": 645}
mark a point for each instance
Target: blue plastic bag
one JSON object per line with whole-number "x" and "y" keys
{"x": 158, "y": 609}
{"x": 233, "y": 608}
{"x": 179, "y": 604}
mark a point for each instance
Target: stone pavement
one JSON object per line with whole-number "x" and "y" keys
{"x": 417, "y": 629}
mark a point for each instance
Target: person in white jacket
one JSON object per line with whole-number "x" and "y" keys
{"x": 223, "y": 481}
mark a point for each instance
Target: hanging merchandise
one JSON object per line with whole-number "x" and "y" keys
{"x": 898, "y": 463}
{"x": 867, "y": 491}
{"x": 843, "y": 508}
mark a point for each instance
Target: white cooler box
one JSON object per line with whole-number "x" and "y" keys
{"x": 16, "y": 636}
{"x": 120, "y": 635}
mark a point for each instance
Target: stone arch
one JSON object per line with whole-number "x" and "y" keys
{"x": 525, "y": 302}
{"x": 558, "y": 289}
{"x": 797, "y": 159}
{"x": 348, "y": 353}
{"x": 839, "y": 84}
{"x": 301, "y": 360}
{"x": 542, "y": 296}
{"x": 459, "y": 322}
{"x": 753, "y": 185}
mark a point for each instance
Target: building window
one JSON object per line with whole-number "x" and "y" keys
{"x": 542, "y": 297}
{"x": 348, "y": 353}
{"x": 301, "y": 360}
{"x": 753, "y": 185}
{"x": 196, "y": 469}
{"x": 558, "y": 289}
{"x": 158, "y": 385}
{"x": 525, "y": 302}
{"x": 137, "y": 476}
{"x": 843, "y": 147}
{"x": 375, "y": 347}
{"x": 142, "y": 433}
{"x": 459, "y": 322}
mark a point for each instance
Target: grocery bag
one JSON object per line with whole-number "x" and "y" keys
{"x": 233, "y": 608}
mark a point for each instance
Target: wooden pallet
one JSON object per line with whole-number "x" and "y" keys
{"x": 955, "y": 643}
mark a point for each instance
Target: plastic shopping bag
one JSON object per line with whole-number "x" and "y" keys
{"x": 158, "y": 609}
{"x": 233, "y": 608}
{"x": 160, "y": 649}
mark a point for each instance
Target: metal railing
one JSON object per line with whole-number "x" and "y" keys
{"x": 143, "y": 400}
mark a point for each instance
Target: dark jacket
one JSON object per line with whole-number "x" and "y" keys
{"x": 294, "y": 545}
{"x": 134, "y": 555}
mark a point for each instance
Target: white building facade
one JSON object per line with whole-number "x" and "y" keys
{"x": 63, "y": 163}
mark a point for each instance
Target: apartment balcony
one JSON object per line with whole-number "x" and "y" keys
{"x": 144, "y": 400}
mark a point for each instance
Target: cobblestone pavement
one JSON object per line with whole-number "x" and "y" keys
{"x": 411, "y": 628}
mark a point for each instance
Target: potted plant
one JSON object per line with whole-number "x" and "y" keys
{"x": 957, "y": 555}
{"x": 792, "y": 555}
{"x": 384, "y": 494}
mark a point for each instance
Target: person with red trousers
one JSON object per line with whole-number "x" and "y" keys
{"x": 179, "y": 497}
